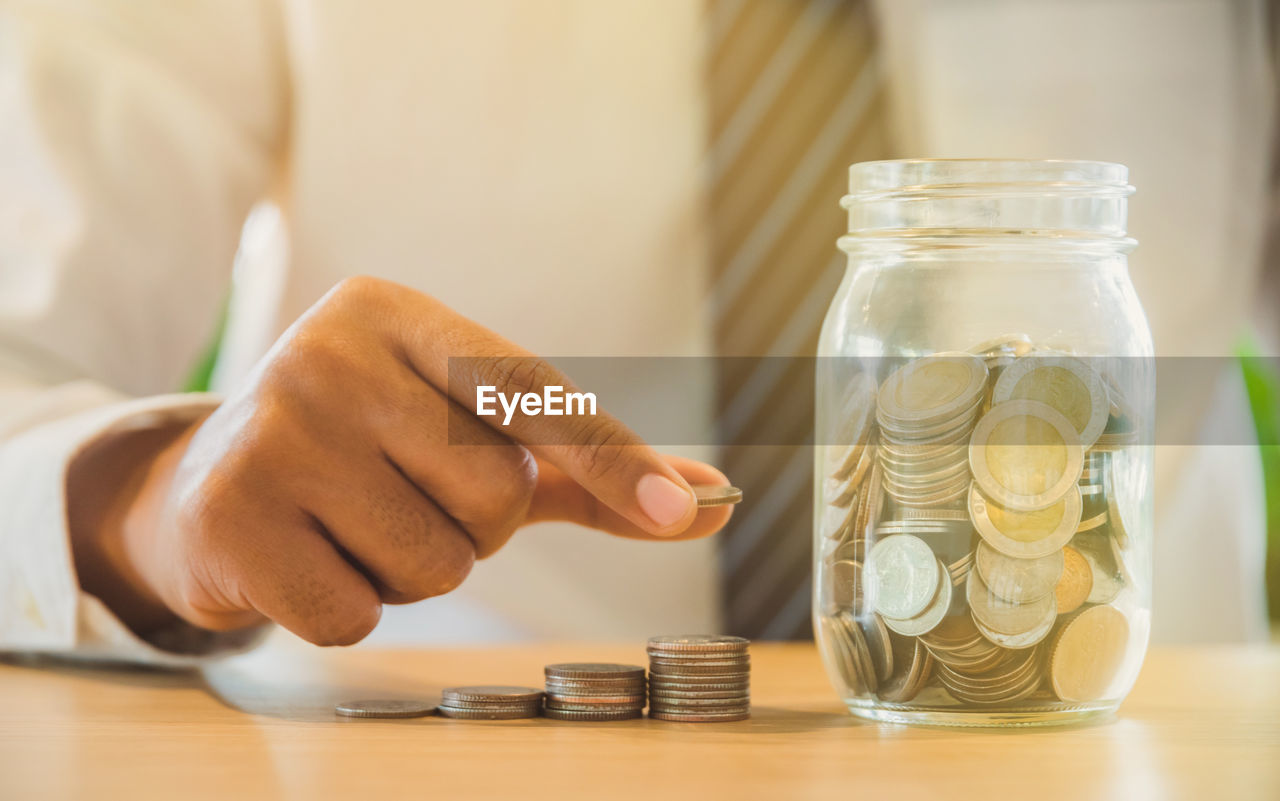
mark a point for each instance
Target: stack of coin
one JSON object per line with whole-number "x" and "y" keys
{"x": 699, "y": 678}
{"x": 925, "y": 411}
{"x": 491, "y": 702}
{"x": 594, "y": 691}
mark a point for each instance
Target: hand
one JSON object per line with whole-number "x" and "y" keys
{"x": 352, "y": 472}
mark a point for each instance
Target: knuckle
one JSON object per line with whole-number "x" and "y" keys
{"x": 347, "y": 626}
{"x": 426, "y": 555}
{"x": 313, "y": 361}
{"x": 522, "y": 374}
{"x": 518, "y": 478}
{"x": 358, "y": 292}
{"x": 452, "y": 561}
{"x": 601, "y": 447}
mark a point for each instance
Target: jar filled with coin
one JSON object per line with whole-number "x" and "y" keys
{"x": 985, "y": 401}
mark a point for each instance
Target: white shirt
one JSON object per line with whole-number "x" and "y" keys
{"x": 534, "y": 165}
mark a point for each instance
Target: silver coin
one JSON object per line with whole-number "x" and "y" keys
{"x": 498, "y": 706}
{"x": 580, "y": 706}
{"x": 902, "y": 576}
{"x": 724, "y": 716}
{"x": 932, "y": 615}
{"x": 688, "y": 672}
{"x": 679, "y": 703}
{"x": 593, "y": 670}
{"x": 710, "y": 495}
{"x": 492, "y": 693}
{"x": 596, "y": 684}
{"x": 385, "y": 708}
{"x": 592, "y": 716}
{"x": 876, "y": 635}
{"x": 932, "y": 388}
{"x": 698, "y": 643}
{"x": 461, "y": 713}
{"x": 673, "y": 691}
{"x": 843, "y": 654}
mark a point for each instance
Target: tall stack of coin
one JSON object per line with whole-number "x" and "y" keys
{"x": 983, "y": 551}
{"x": 490, "y": 702}
{"x": 594, "y": 691}
{"x": 699, "y": 678}
{"x": 925, "y": 411}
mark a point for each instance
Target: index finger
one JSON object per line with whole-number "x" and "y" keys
{"x": 598, "y": 451}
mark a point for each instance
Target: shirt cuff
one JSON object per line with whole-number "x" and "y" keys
{"x": 42, "y": 608}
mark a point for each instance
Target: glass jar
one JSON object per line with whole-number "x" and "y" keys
{"x": 983, "y": 484}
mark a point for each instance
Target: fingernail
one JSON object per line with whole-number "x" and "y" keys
{"x": 665, "y": 502}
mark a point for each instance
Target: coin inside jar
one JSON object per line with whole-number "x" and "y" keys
{"x": 1063, "y": 382}
{"x": 1025, "y": 535}
{"x": 932, "y": 388}
{"x": 932, "y": 615}
{"x": 1025, "y": 455}
{"x": 1075, "y": 583}
{"x": 1000, "y": 615}
{"x": 1087, "y": 653}
{"x": 903, "y": 576}
{"x": 1018, "y": 580}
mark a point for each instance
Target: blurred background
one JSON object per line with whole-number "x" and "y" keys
{"x": 179, "y": 180}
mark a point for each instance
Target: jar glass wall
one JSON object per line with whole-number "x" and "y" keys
{"x": 985, "y": 393}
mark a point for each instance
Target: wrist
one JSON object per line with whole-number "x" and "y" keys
{"x": 114, "y": 488}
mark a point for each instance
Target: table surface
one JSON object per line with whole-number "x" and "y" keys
{"x": 1201, "y": 723}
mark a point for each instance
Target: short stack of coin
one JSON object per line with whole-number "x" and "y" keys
{"x": 594, "y": 691}
{"x": 490, "y": 702}
{"x": 699, "y": 678}
{"x": 926, "y": 411}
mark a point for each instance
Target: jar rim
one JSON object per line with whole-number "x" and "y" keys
{"x": 1003, "y": 176}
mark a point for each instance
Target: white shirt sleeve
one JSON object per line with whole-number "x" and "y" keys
{"x": 134, "y": 137}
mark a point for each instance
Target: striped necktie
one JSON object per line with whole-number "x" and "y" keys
{"x": 795, "y": 97}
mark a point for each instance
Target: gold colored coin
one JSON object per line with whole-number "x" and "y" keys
{"x": 1018, "y": 580}
{"x": 1025, "y": 535}
{"x": 1075, "y": 583}
{"x": 1025, "y": 455}
{"x": 1063, "y": 382}
{"x": 1003, "y": 617}
{"x": 1087, "y": 654}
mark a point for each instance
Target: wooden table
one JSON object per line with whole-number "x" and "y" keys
{"x": 1202, "y": 724}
